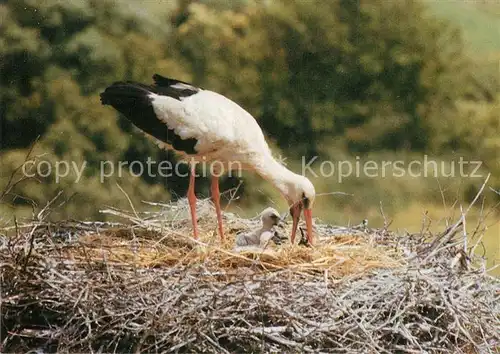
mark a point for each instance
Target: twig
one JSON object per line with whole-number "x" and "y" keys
{"x": 129, "y": 200}
{"x": 10, "y": 184}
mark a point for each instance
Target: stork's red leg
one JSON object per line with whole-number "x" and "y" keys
{"x": 216, "y": 200}
{"x": 192, "y": 202}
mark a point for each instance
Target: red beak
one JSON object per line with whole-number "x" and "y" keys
{"x": 295, "y": 212}
{"x": 308, "y": 217}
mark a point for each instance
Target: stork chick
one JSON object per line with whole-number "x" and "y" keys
{"x": 260, "y": 237}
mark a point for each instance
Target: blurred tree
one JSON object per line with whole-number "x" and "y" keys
{"x": 326, "y": 69}
{"x": 55, "y": 57}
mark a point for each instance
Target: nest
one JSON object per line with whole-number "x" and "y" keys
{"x": 146, "y": 285}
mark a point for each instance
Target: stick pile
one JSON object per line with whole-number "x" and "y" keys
{"x": 147, "y": 286}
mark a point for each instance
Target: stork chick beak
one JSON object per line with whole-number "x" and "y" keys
{"x": 295, "y": 212}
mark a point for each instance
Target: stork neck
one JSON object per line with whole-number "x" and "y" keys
{"x": 282, "y": 178}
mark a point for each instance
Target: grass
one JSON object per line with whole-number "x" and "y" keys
{"x": 417, "y": 215}
{"x": 411, "y": 219}
{"x": 479, "y": 20}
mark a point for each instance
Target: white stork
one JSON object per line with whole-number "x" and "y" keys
{"x": 202, "y": 125}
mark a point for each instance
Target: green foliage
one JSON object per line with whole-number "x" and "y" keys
{"x": 55, "y": 58}
{"x": 326, "y": 70}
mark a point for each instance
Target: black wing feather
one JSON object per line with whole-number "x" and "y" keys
{"x": 133, "y": 100}
{"x": 173, "y": 88}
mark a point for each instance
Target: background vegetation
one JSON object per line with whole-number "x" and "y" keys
{"x": 380, "y": 80}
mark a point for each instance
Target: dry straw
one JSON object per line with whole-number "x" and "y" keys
{"x": 144, "y": 285}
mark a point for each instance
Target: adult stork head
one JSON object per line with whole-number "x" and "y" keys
{"x": 300, "y": 194}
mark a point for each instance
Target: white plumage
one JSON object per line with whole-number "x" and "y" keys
{"x": 223, "y": 129}
{"x": 202, "y": 125}
{"x": 261, "y": 236}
